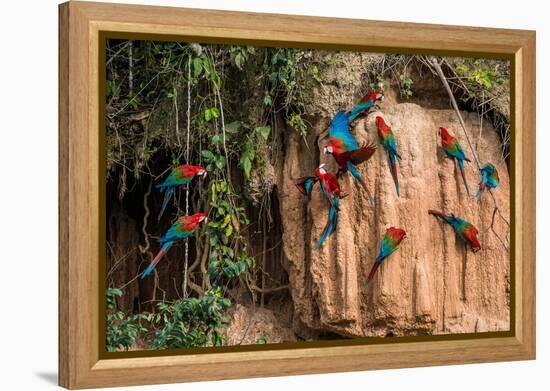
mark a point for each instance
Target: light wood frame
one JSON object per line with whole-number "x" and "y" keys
{"x": 80, "y": 364}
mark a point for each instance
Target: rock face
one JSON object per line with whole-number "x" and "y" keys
{"x": 432, "y": 284}
{"x": 247, "y": 325}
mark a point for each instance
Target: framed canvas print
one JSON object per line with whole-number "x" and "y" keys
{"x": 271, "y": 195}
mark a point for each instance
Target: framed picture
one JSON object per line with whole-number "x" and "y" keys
{"x": 247, "y": 195}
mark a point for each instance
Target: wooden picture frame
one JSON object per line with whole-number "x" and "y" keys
{"x": 82, "y": 25}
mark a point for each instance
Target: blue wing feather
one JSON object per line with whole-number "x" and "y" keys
{"x": 339, "y": 128}
{"x": 359, "y": 108}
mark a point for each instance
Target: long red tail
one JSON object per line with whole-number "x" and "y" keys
{"x": 372, "y": 272}
{"x": 154, "y": 262}
{"x": 393, "y": 165}
{"x": 366, "y": 187}
{"x": 436, "y": 213}
{"x": 461, "y": 167}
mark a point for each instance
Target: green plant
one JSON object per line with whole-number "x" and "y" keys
{"x": 406, "y": 84}
{"x": 192, "y": 322}
{"x": 122, "y": 331}
{"x": 224, "y": 261}
{"x": 379, "y": 84}
{"x": 249, "y": 151}
{"x": 261, "y": 341}
{"x": 480, "y": 73}
{"x": 287, "y": 73}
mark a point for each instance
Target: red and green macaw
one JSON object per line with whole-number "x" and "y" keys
{"x": 179, "y": 176}
{"x": 489, "y": 178}
{"x": 333, "y": 194}
{"x": 365, "y": 104}
{"x": 454, "y": 151}
{"x": 389, "y": 244}
{"x": 387, "y": 139}
{"x": 346, "y": 151}
{"x": 465, "y": 230}
{"x": 183, "y": 228}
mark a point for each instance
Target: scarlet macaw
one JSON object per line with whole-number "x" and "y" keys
{"x": 465, "y": 230}
{"x": 346, "y": 151}
{"x": 331, "y": 190}
{"x": 333, "y": 194}
{"x": 389, "y": 244}
{"x": 183, "y": 228}
{"x": 489, "y": 179}
{"x": 453, "y": 150}
{"x": 365, "y": 104}
{"x": 179, "y": 176}
{"x": 388, "y": 141}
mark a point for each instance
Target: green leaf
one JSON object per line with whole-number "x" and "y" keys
{"x": 216, "y": 139}
{"x": 228, "y": 230}
{"x": 197, "y": 67}
{"x": 208, "y": 155}
{"x": 226, "y": 221}
{"x": 211, "y": 113}
{"x": 246, "y": 164}
{"x": 233, "y": 127}
{"x": 239, "y": 61}
{"x": 264, "y": 131}
{"x": 220, "y": 162}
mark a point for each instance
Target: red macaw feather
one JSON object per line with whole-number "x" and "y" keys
{"x": 362, "y": 154}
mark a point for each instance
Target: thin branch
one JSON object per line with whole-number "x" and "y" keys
{"x": 142, "y": 249}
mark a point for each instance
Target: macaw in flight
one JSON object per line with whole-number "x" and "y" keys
{"x": 183, "y": 228}
{"x": 387, "y": 139}
{"x": 389, "y": 244}
{"x": 489, "y": 179}
{"x": 465, "y": 230}
{"x": 346, "y": 151}
{"x": 179, "y": 176}
{"x": 454, "y": 151}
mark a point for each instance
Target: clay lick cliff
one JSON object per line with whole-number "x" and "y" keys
{"x": 291, "y": 291}
{"x": 432, "y": 285}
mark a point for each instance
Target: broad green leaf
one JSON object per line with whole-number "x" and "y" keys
{"x": 233, "y": 127}
{"x": 208, "y": 155}
{"x": 246, "y": 164}
{"x": 264, "y": 131}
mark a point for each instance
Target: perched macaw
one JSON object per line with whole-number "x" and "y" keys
{"x": 453, "y": 150}
{"x": 489, "y": 178}
{"x": 183, "y": 228}
{"x": 391, "y": 240}
{"x": 180, "y": 176}
{"x": 365, "y": 104}
{"x": 346, "y": 151}
{"x": 387, "y": 139}
{"x": 465, "y": 230}
{"x": 333, "y": 193}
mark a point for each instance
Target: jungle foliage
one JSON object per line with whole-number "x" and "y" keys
{"x": 161, "y": 95}
{"x": 219, "y": 106}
